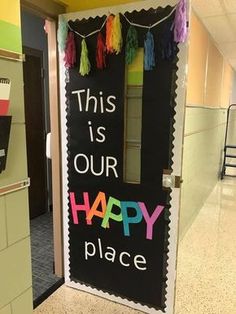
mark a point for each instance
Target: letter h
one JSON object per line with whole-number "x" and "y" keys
{"x": 76, "y": 207}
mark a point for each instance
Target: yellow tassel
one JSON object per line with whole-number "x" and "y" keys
{"x": 117, "y": 40}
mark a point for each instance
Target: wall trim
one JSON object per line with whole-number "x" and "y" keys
{"x": 204, "y": 130}
{"x": 205, "y": 107}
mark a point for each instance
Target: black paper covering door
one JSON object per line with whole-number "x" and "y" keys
{"x": 88, "y": 244}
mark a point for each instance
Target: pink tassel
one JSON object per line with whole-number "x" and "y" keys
{"x": 180, "y": 22}
{"x": 70, "y": 51}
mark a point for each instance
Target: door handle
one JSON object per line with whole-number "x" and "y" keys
{"x": 170, "y": 181}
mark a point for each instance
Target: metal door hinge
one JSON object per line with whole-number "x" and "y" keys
{"x": 42, "y": 73}
{"x": 170, "y": 181}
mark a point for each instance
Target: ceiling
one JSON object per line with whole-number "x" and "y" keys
{"x": 219, "y": 17}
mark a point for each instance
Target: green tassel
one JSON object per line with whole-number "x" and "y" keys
{"x": 84, "y": 60}
{"x": 62, "y": 33}
{"x": 131, "y": 45}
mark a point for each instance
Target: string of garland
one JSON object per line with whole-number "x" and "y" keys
{"x": 113, "y": 42}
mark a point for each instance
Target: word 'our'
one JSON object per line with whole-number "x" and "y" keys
{"x": 86, "y": 164}
{"x": 108, "y": 212}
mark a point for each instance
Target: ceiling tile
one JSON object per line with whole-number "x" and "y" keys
{"x": 205, "y": 8}
{"x": 228, "y": 50}
{"x": 232, "y": 20}
{"x": 230, "y": 6}
{"x": 220, "y": 29}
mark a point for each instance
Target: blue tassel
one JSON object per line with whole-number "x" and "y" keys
{"x": 149, "y": 54}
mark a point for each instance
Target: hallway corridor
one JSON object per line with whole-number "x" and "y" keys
{"x": 206, "y": 280}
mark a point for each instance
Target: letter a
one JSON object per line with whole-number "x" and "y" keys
{"x": 100, "y": 199}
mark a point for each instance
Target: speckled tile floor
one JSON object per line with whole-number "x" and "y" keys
{"x": 41, "y": 229}
{"x": 206, "y": 281}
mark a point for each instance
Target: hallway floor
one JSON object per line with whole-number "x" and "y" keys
{"x": 206, "y": 279}
{"x": 41, "y": 229}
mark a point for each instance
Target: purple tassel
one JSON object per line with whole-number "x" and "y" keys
{"x": 70, "y": 51}
{"x": 180, "y": 22}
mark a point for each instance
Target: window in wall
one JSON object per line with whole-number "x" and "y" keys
{"x": 133, "y": 120}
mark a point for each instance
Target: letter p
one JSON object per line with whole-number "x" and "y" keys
{"x": 127, "y": 220}
{"x": 89, "y": 249}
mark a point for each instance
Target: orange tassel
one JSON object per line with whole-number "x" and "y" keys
{"x": 109, "y": 30}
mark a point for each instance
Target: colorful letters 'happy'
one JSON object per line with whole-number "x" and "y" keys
{"x": 105, "y": 210}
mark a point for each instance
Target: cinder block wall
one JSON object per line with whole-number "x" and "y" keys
{"x": 15, "y": 260}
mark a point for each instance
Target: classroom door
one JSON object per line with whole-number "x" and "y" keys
{"x": 122, "y": 132}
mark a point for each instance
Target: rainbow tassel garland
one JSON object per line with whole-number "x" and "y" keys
{"x": 62, "y": 34}
{"x": 180, "y": 22}
{"x": 70, "y": 51}
{"x": 117, "y": 40}
{"x": 109, "y": 31}
{"x": 149, "y": 54}
{"x": 131, "y": 45}
{"x": 101, "y": 52}
{"x": 172, "y": 34}
{"x": 84, "y": 60}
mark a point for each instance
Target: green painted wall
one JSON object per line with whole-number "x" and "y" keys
{"x": 10, "y": 30}
{"x": 10, "y": 38}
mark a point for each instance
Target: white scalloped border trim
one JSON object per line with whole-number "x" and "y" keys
{"x": 176, "y": 167}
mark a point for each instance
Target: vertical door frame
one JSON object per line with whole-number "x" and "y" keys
{"x": 55, "y": 147}
{"x": 55, "y": 131}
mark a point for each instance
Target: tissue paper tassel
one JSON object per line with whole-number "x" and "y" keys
{"x": 101, "y": 52}
{"x": 117, "y": 40}
{"x": 149, "y": 54}
{"x": 70, "y": 51}
{"x": 180, "y": 22}
{"x": 84, "y": 60}
{"x": 131, "y": 45}
{"x": 62, "y": 34}
{"x": 109, "y": 30}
